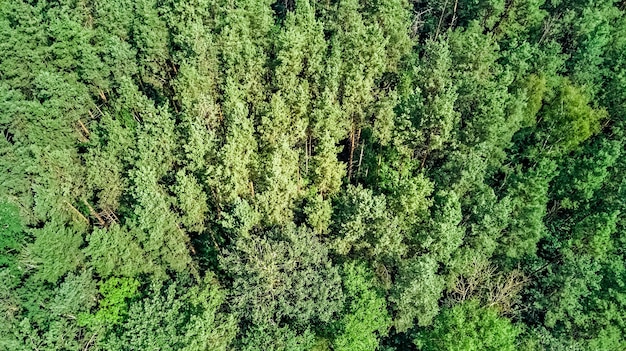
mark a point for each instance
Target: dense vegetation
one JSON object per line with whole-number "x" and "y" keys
{"x": 294, "y": 175}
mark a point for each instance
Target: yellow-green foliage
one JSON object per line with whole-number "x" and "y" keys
{"x": 297, "y": 175}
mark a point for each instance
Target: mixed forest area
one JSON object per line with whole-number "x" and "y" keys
{"x": 344, "y": 175}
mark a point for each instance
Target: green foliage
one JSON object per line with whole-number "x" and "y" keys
{"x": 430, "y": 115}
{"x": 113, "y": 251}
{"x": 345, "y": 175}
{"x": 192, "y": 202}
{"x": 56, "y": 250}
{"x": 117, "y": 294}
{"x": 364, "y": 224}
{"x": 106, "y": 166}
{"x": 580, "y": 292}
{"x": 241, "y": 219}
{"x": 326, "y": 168}
{"x": 152, "y": 324}
{"x": 481, "y": 103}
{"x": 283, "y": 275}
{"x": 569, "y": 118}
{"x": 530, "y": 195}
{"x": 210, "y": 328}
{"x": 366, "y": 317}
{"x": 318, "y": 213}
{"x": 441, "y": 236}
{"x": 277, "y": 338}
{"x": 536, "y": 89}
{"x": 11, "y": 229}
{"x": 176, "y": 318}
{"x": 416, "y": 293}
{"x": 155, "y": 224}
{"x": 47, "y": 320}
{"x": 468, "y": 327}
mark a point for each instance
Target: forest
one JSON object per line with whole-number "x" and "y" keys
{"x": 299, "y": 175}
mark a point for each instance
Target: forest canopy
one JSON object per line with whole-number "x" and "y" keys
{"x": 344, "y": 175}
